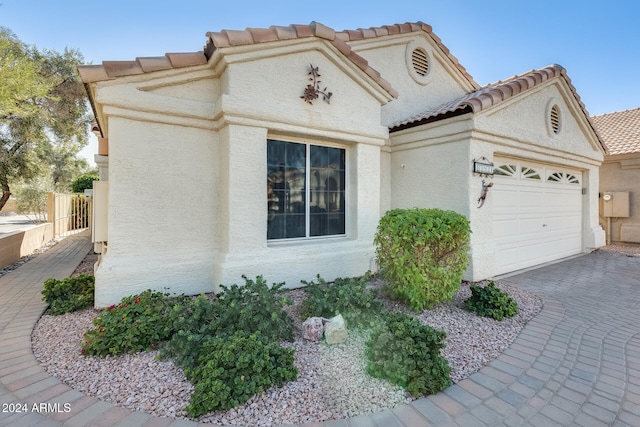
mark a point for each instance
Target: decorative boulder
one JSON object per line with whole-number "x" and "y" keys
{"x": 334, "y": 330}
{"x": 312, "y": 329}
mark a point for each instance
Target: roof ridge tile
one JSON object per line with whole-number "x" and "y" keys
{"x": 284, "y": 32}
{"x": 322, "y": 31}
{"x": 261, "y": 35}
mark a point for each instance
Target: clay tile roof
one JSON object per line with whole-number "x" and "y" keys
{"x": 260, "y": 35}
{"x": 249, "y": 36}
{"x": 620, "y": 131}
{"x": 285, "y": 33}
{"x": 112, "y": 69}
{"x": 155, "y": 63}
{"x": 122, "y": 68}
{"x": 186, "y": 59}
{"x": 227, "y": 38}
{"x": 488, "y": 96}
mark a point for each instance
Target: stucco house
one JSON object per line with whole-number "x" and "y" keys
{"x": 620, "y": 175}
{"x": 275, "y": 151}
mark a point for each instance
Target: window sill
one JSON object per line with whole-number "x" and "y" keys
{"x": 279, "y": 243}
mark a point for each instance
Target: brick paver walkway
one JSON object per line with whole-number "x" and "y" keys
{"x": 577, "y": 363}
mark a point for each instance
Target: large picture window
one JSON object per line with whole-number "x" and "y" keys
{"x": 305, "y": 190}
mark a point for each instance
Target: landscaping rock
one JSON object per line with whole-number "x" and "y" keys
{"x": 312, "y": 329}
{"x": 334, "y": 330}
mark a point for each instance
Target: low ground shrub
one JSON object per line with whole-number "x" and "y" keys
{"x": 194, "y": 323}
{"x": 233, "y": 368}
{"x": 254, "y": 307}
{"x": 70, "y": 294}
{"x": 489, "y": 301}
{"x": 348, "y": 297}
{"x": 407, "y": 353}
{"x": 423, "y": 254}
{"x": 140, "y": 322}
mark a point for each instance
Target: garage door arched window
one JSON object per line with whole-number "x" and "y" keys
{"x": 563, "y": 178}
{"x": 529, "y": 173}
{"x": 505, "y": 170}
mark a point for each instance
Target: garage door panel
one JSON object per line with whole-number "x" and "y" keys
{"x": 535, "y": 220}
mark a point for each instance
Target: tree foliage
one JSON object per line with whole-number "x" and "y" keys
{"x": 44, "y": 116}
{"x": 83, "y": 182}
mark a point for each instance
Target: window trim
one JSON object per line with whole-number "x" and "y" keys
{"x": 308, "y": 143}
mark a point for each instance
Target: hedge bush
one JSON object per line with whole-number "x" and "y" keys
{"x": 70, "y": 294}
{"x": 407, "y": 353}
{"x": 423, "y": 254}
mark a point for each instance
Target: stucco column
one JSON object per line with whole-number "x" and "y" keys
{"x": 365, "y": 179}
{"x": 243, "y": 189}
{"x": 103, "y": 166}
{"x": 594, "y": 234}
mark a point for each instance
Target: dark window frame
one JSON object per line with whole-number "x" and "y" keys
{"x": 306, "y": 198}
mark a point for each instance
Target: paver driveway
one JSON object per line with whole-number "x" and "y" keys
{"x": 576, "y": 363}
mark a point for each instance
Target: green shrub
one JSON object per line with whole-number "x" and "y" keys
{"x": 233, "y": 368}
{"x": 70, "y": 294}
{"x": 407, "y": 353}
{"x": 138, "y": 323}
{"x": 423, "y": 254}
{"x": 489, "y": 301}
{"x": 348, "y": 297}
{"x": 255, "y": 307}
{"x": 194, "y": 322}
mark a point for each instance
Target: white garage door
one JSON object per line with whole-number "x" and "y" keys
{"x": 537, "y": 213}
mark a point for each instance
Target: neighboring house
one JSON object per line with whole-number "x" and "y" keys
{"x": 276, "y": 151}
{"x": 620, "y": 175}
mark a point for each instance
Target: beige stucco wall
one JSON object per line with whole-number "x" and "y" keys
{"x": 392, "y": 58}
{"x": 274, "y": 110}
{"x": 162, "y": 201}
{"x": 431, "y": 165}
{"x": 622, "y": 173}
{"x": 187, "y": 171}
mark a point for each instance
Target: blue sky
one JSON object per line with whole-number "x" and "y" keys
{"x": 597, "y": 42}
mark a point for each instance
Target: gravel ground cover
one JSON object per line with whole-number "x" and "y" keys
{"x": 331, "y": 384}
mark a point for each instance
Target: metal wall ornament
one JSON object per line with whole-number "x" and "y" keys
{"x": 313, "y": 91}
{"x": 483, "y": 194}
